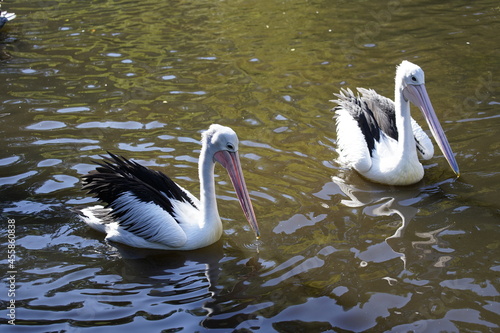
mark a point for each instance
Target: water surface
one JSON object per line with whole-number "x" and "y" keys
{"x": 337, "y": 253}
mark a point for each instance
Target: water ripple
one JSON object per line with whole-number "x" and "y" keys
{"x": 336, "y": 253}
{"x": 47, "y": 125}
{"x": 17, "y": 179}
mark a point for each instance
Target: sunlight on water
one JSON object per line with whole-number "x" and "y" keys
{"x": 336, "y": 252}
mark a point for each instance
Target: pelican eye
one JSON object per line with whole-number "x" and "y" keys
{"x": 414, "y": 79}
{"x": 230, "y": 146}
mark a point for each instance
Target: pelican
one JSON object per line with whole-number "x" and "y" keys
{"x": 146, "y": 209}
{"x": 6, "y": 17}
{"x": 378, "y": 137}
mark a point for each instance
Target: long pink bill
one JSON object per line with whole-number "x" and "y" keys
{"x": 417, "y": 94}
{"x": 231, "y": 161}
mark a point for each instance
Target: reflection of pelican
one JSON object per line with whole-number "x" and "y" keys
{"x": 5, "y": 17}
{"x": 146, "y": 209}
{"x": 374, "y": 201}
{"x": 405, "y": 241}
{"x": 378, "y": 138}
{"x": 181, "y": 279}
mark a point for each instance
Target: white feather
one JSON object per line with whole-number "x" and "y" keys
{"x": 160, "y": 225}
{"x": 353, "y": 151}
{"x": 8, "y": 16}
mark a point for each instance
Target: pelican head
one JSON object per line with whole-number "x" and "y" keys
{"x": 221, "y": 144}
{"x": 410, "y": 81}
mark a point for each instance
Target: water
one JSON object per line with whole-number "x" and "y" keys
{"x": 337, "y": 253}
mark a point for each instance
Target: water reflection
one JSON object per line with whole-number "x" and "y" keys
{"x": 192, "y": 279}
{"x": 143, "y": 78}
{"x": 109, "y": 282}
{"x": 410, "y": 245}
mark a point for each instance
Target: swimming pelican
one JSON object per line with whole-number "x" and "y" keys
{"x": 146, "y": 209}
{"x": 378, "y": 137}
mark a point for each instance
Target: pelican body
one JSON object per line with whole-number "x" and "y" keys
{"x": 146, "y": 209}
{"x": 6, "y": 17}
{"x": 378, "y": 137}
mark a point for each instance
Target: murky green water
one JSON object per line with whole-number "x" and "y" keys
{"x": 337, "y": 253}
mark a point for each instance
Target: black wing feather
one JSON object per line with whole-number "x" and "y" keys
{"x": 383, "y": 109}
{"x": 117, "y": 175}
{"x": 359, "y": 110}
{"x": 3, "y": 20}
{"x": 373, "y": 113}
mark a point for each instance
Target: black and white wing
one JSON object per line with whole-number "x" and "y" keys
{"x": 425, "y": 147}
{"x": 5, "y": 17}
{"x": 357, "y": 130}
{"x": 144, "y": 202}
{"x": 383, "y": 109}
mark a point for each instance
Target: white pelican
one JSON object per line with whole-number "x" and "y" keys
{"x": 146, "y": 209}
{"x": 378, "y": 137}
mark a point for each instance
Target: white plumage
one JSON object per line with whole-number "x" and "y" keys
{"x": 5, "y": 17}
